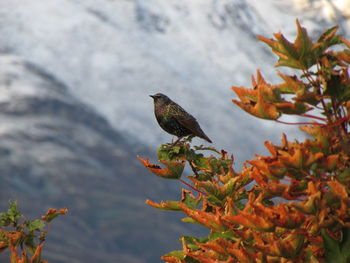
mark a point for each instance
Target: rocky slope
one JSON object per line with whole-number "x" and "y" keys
{"x": 57, "y": 152}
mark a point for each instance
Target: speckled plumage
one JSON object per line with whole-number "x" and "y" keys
{"x": 174, "y": 119}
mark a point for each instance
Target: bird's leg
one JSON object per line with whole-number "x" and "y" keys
{"x": 177, "y": 141}
{"x": 189, "y": 138}
{"x": 172, "y": 143}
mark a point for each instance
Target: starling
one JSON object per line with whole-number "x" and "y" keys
{"x": 174, "y": 119}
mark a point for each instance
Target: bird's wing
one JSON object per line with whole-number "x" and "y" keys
{"x": 191, "y": 124}
{"x": 187, "y": 120}
{"x": 183, "y": 117}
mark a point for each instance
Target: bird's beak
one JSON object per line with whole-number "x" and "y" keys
{"x": 152, "y": 96}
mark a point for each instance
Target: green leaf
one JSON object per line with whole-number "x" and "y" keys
{"x": 202, "y": 162}
{"x": 299, "y": 108}
{"x": 329, "y": 38}
{"x": 337, "y": 89}
{"x": 204, "y": 177}
{"x": 213, "y": 189}
{"x": 53, "y": 213}
{"x": 291, "y": 63}
{"x": 326, "y": 40}
{"x": 285, "y": 47}
{"x": 191, "y": 260}
{"x": 165, "y": 205}
{"x": 239, "y": 204}
{"x": 35, "y": 225}
{"x": 232, "y": 185}
{"x": 169, "y": 152}
{"x": 328, "y": 34}
{"x": 11, "y": 216}
{"x": 345, "y": 244}
{"x": 214, "y": 200}
{"x": 189, "y": 200}
{"x": 176, "y": 169}
{"x": 190, "y": 220}
{"x": 336, "y": 252}
{"x": 30, "y": 244}
{"x": 205, "y": 148}
{"x": 193, "y": 240}
{"x": 225, "y": 234}
{"x": 344, "y": 176}
{"x": 303, "y": 45}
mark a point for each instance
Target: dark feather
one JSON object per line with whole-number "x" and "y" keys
{"x": 193, "y": 126}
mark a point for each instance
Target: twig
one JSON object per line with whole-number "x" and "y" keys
{"x": 312, "y": 116}
{"x": 300, "y": 123}
{"x": 192, "y": 187}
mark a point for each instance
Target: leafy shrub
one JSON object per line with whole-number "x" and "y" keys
{"x": 290, "y": 206}
{"x": 24, "y": 237}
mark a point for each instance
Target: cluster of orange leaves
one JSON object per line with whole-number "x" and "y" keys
{"x": 268, "y": 232}
{"x": 290, "y": 206}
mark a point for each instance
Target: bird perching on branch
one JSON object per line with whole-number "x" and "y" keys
{"x": 175, "y": 120}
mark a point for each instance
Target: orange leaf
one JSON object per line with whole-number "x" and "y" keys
{"x": 3, "y": 245}
{"x": 292, "y": 85}
{"x": 331, "y": 161}
{"x": 312, "y": 158}
{"x": 302, "y": 42}
{"x": 281, "y": 215}
{"x": 345, "y": 41}
{"x": 14, "y": 254}
{"x": 286, "y": 48}
{"x": 202, "y": 257}
{"x": 52, "y": 213}
{"x": 309, "y": 206}
{"x": 37, "y": 254}
{"x": 272, "y": 149}
{"x": 339, "y": 190}
{"x": 293, "y": 157}
{"x": 170, "y": 259}
{"x": 286, "y": 247}
{"x": 258, "y": 101}
{"x": 207, "y": 219}
{"x": 173, "y": 169}
{"x": 242, "y": 255}
{"x": 276, "y": 189}
{"x": 253, "y": 221}
{"x": 214, "y": 245}
{"x": 167, "y": 205}
{"x": 251, "y": 218}
{"x": 344, "y": 55}
{"x": 270, "y": 168}
{"x": 13, "y": 236}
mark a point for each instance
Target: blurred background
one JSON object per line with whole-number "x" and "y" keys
{"x": 75, "y": 76}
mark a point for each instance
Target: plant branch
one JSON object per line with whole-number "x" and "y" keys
{"x": 300, "y": 123}
{"x": 192, "y": 187}
{"x": 313, "y": 116}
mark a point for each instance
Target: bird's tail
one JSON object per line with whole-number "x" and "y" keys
{"x": 205, "y": 137}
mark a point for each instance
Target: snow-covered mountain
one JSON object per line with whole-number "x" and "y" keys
{"x": 57, "y": 152}
{"x": 75, "y": 77}
{"x": 113, "y": 54}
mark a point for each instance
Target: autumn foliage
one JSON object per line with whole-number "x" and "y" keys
{"x": 292, "y": 205}
{"x": 23, "y": 237}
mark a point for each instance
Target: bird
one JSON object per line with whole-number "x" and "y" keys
{"x": 173, "y": 119}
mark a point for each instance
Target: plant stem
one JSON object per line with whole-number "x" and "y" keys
{"x": 312, "y": 116}
{"x": 300, "y": 123}
{"x": 192, "y": 187}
